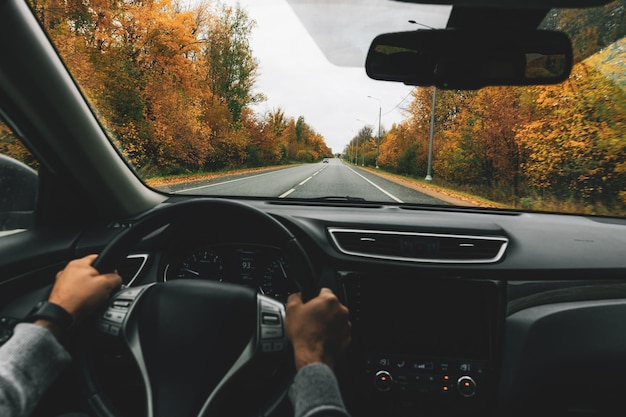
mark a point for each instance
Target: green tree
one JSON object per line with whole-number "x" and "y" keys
{"x": 231, "y": 65}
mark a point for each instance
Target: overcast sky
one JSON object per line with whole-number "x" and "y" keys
{"x": 298, "y": 77}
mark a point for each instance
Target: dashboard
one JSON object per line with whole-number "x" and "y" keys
{"x": 446, "y": 304}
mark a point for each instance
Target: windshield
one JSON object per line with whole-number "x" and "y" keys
{"x": 270, "y": 99}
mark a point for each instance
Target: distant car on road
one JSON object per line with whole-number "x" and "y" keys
{"x": 325, "y": 161}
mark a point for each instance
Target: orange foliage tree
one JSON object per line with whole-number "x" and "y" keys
{"x": 576, "y": 144}
{"x": 173, "y": 86}
{"x": 479, "y": 146}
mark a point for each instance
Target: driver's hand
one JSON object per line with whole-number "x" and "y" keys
{"x": 319, "y": 329}
{"x": 81, "y": 289}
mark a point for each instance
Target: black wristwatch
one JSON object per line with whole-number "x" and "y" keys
{"x": 45, "y": 310}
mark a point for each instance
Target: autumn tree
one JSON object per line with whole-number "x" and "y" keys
{"x": 173, "y": 84}
{"x": 481, "y": 147}
{"x": 363, "y": 143}
{"x": 405, "y": 149}
{"x": 401, "y": 153}
{"x": 575, "y": 144}
{"x": 264, "y": 146}
{"x": 302, "y": 142}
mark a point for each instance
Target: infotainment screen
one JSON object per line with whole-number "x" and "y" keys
{"x": 444, "y": 318}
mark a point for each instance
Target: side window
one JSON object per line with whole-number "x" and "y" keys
{"x": 18, "y": 183}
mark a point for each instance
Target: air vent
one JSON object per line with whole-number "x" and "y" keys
{"x": 419, "y": 247}
{"x": 131, "y": 267}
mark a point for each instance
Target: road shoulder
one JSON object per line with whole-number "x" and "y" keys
{"x": 444, "y": 195}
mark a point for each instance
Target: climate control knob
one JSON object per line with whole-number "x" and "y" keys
{"x": 383, "y": 380}
{"x": 466, "y": 386}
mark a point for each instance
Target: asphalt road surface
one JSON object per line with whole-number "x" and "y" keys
{"x": 320, "y": 180}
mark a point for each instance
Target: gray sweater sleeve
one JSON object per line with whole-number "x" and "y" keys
{"x": 315, "y": 393}
{"x": 29, "y": 362}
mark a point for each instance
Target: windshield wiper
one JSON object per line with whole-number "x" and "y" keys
{"x": 338, "y": 198}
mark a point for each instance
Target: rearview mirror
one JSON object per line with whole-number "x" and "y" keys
{"x": 468, "y": 60}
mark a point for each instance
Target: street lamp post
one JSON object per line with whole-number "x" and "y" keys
{"x": 380, "y": 108}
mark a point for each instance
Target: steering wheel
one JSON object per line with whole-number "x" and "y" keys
{"x": 196, "y": 343}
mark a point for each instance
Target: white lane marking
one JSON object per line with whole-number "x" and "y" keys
{"x": 286, "y": 193}
{"x": 387, "y": 193}
{"x": 224, "y": 182}
{"x": 283, "y": 195}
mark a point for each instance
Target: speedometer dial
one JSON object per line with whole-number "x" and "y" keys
{"x": 203, "y": 264}
{"x": 275, "y": 282}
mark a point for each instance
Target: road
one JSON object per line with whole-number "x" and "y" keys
{"x": 332, "y": 179}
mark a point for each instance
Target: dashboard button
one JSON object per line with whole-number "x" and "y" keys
{"x": 428, "y": 366}
{"x": 383, "y": 380}
{"x": 466, "y": 386}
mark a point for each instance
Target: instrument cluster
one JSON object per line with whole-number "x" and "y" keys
{"x": 263, "y": 268}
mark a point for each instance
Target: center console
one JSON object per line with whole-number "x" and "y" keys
{"x": 422, "y": 346}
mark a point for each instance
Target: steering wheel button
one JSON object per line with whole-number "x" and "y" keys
{"x": 271, "y": 332}
{"x": 271, "y": 319}
{"x": 114, "y": 316}
{"x": 103, "y": 327}
{"x": 129, "y": 293}
{"x": 121, "y": 303}
{"x": 269, "y": 307}
{"x": 267, "y": 346}
{"x": 278, "y": 346}
{"x": 114, "y": 330}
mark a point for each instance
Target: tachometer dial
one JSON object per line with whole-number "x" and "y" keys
{"x": 276, "y": 283}
{"x": 204, "y": 264}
